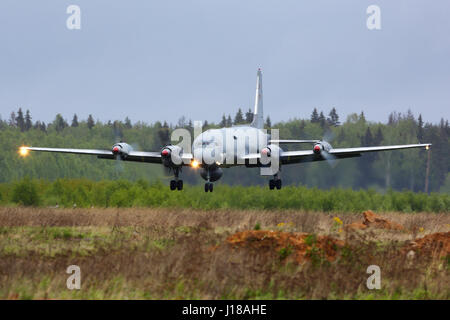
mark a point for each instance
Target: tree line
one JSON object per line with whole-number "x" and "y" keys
{"x": 415, "y": 170}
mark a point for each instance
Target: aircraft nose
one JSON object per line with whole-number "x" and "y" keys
{"x": 209, "y": 155}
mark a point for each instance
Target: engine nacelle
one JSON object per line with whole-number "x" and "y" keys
{"x": 321, "y": 146}
{"x": 171, "y": 156}
{"x": 214, "y": 173}
{"x": 121, "y": 149}
{"x": 267, "y": 153}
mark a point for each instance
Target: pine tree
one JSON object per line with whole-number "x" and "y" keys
{"x": 249, "y": 116}
{"x": 128, "y": 124}
{"x": 59, "y": 123}
{"x": 74, "y": 121}
{"x": 367, "y": 140}
{"x": 229, "y": 121}
{"x": 314, "y": 116}
{"x": 163, "y": 134}
{"x": 378, "y": 137}
{"x": 391, "y": 119}
{"x": 362, "y": 117}
{"x": 322, "y": 120}
{"x": 268, "y": 123}
{"x": 12, "y": 120}
{"x": 420, "y": 128}
{"x": 90, "y": 122}
{"x": 28, "y": 122}
{"x": 181, "y": 122}
{"x": 223, "y": 122}
{"x": 239, "y": 118}
{"x": 37, "y": 125}
{"x": 333, "y": 119}
{"x": 20, "y": 121}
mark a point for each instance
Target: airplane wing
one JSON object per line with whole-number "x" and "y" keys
{"x": 289, "y": 157}
{"x": 139, "y": 156}
{"x": 293, "y": 141}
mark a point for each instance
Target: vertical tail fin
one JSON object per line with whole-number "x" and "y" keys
{"x": 258, "y": 116}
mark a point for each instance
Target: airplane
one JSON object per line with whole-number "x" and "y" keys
{"x": 240, "y": 145}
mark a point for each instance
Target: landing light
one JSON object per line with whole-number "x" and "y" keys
{"x": 23, "y": 151}
{"x": 194, "y": 164}
{"x": 427, "y": 147}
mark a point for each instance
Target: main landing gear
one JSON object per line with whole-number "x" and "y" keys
{"x": 209, "y": 187}
{"x": 275, "y": 183}
{"x": 176, "y": 184}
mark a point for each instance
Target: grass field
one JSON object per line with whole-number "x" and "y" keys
{"x": 133, "y": 253}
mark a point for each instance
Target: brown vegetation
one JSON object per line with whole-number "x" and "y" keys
{"x": 169, "y": 253}
{"x": 375, "y": 221}
{"x": 301, "y": 246}
{"x": 436, "y": 245}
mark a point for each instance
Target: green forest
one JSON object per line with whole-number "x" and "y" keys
{"x": 381, "y": 172}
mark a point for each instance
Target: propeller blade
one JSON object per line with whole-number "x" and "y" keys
{"x": 119, "y": 165}
{"x": 328, "y": 136}
{"x": 331, "y": 159}
{"x": 167, "y": 171}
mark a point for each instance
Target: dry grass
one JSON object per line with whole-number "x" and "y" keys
{"x": 168, "y": 253}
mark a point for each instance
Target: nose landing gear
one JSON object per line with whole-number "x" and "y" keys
{"x": 209, "y": 187}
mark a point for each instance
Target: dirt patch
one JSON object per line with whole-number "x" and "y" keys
{"x": 373, "y": 220}
{"x": 436, "y": 245}
{"x": 301, "y": 246}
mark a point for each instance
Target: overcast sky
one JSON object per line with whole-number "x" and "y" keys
{"x": 159, "y": 60}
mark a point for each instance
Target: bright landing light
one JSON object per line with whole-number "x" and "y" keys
{"x": 23, "y": 151}
{"x": 194, "y": 164}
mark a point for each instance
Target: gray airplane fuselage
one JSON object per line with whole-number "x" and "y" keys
{"x": 226, "y": 147}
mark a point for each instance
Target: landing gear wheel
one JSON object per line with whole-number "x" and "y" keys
{"x": 209, "y": 187}
{"x": 271, "y": 184}
{"x": 180, "y": 184}
{"x": 173, "y": 185}
{"x": 278, "y": 184}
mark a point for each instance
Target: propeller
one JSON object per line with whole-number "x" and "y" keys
{"x": 324, "y": 146}
{"x": 167, "y": 170}
{"x": 120, "y": 151}
{"x": 116, "y": 149}
{"x": 331, "y": 159}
